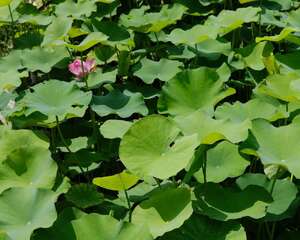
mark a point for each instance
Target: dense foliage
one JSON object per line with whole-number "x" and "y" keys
{"x": 150, "y": 119}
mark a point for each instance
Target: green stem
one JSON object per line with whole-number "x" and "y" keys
{"x": 11, "y": 15}
{"x": 66, "y": 145}
{"x": 204, "y": 169}
{"x": 12, "y": 22}
{"x": 62, "y": 136}
{"x": 259, "y": 21}
{"x": 129, "y": 205}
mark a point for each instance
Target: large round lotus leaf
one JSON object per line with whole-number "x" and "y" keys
{"x": 229, "y": 20}
{"x": 284, "y": 191}
{"x": 138, "y": 20}
{"x": 253, "y": 109}
{"x": 223, "y": 161}
{"x": 196, "y": 34}
{"x": 163, "y": 70}
{"x": 76, "y": 10}
{"x": 114, "y": 128}
{"x": 192, "y": 90}
{"x": 42, "y": 59}
{"x": 210, "y": 130}
{"x": 285, "y": 87}
{"x": 57, "y": 31}
{"x": 102, "y": 227}
{"x": 278, "y": 145}
{"x": 150, "y": 148}
{"x": 122, "y": 104}
{"x": 165, "y": 210}
{"x": 117, "y": 182}
{"x": 27, "y": 163}
{"x": 22, "y": 210}
{"x": 57, "y": 98}
{"x": 225, "y": 203}
{"x": 201, "y": 227}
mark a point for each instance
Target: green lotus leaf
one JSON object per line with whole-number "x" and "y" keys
{"x": 195, "y": 35}
{"x": 42, "y": 59}
{"x": 4, "y": 13}
{"x": 253, "y": 109}
{"x": 214, "y": 47}
{"x": 122, "y": 104}
{"x": 76, "y": 144}
{"x": 36, "y": 19}
{"x": 285, "y": 33}
{"x": 98, "y": 78}
{"x": 246, "y": 1}
{"x": 163, "y": 70}
{"x": 56, "y": 98}
{"x": 22, "y": 210}
{"x": 229, "y": 20}
{"x": 9, "y": 80}
{"x": 102, "y": 227}
{"x": 114, "y": 128}
{"x": 284, "y": 192}
{"x": 117, "y": 182}
{"x": 73, "y": 224}
{"x": 117, "y": 35}
{"x": 225, "y": 203}
{"x": 11, "y": 62}
{"x": 289, "y": 60}
{"x": 210, "y": 130}
{"x": 166, "y": 209}
{"x": 108, "y": 9}
{"x": 293, "y": 18}
{"x": 201, "y": 227}
{"x": 192, "y": 90}
{"x": 139, "y": 20}
{"x": 57, "y": 31}
{"x": 4, "y": 236}
{"x": 144, "y": 157}
{"x": 285, "y": 87}
{"x": 105, "y": 1}
{"x": 278, "y": 145}
{"x": 27, "y": 163}
{"x": 84, "y": 195}
{"x": 91, "y": 40}
{"x": 4, "y": 3}
{"x": 255, "y": 60}
{"x": 223, "y": 161}
{"x": 69, "y": 8}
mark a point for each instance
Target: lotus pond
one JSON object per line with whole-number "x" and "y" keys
{"x": 149, "y": 120}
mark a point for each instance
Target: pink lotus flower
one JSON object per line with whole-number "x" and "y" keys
{"x": 82, "y": 69}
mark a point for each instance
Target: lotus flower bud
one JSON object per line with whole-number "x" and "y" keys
{"x": 82, "y": 69}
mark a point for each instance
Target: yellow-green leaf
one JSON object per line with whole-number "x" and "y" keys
{"x": 117, "y": 182}
{"x": 4, "y": 3}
